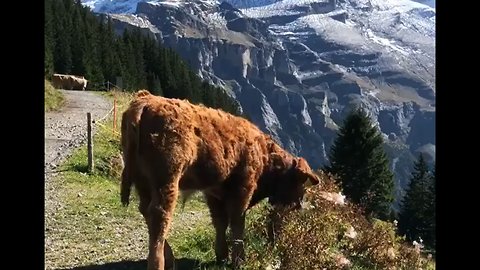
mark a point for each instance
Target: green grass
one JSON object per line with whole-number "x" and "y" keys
{"x": 53, "y": 98}
{"x": 91, "y": 227}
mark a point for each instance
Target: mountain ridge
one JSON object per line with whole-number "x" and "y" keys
{"x": 298, "y": 72}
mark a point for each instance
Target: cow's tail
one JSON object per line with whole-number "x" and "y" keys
{"x": 186, "y": 195}
{"x": 142, "y": 93}
{"x": 126, "y": 141}
{"x": 125, "y": 189}
{"x": 130, "y": 140}
{"x": 141, "y": 140}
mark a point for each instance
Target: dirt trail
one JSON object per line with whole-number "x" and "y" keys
{"x": 64, "y": 131}
{"x": 82, "y": 233}
{"x": 67, "y": 128}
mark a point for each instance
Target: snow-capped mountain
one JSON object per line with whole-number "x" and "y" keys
{"x": 297, "y": 66}
{"x": 430, "y": 3}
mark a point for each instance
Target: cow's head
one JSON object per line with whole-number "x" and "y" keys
{"x": 292, "y": 177}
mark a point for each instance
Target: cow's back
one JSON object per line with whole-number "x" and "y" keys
{"x": 213, "y": 143}
{"x": 129, "y": 144}
{"x": 58, "y": 81}
{"x": 69, "y": 82}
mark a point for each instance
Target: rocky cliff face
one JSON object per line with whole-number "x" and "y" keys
{"x": 298, "y": 66}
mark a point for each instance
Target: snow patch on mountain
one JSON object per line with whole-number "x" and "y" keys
{"x": 217, "y": 19}
{"x": 136, "y": 20}
{"x": 386, "y": 42}
{"x": 114, "y": 6}
{"x": 169, "y": 3}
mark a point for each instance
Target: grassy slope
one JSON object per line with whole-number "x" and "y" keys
{"x": 53, "y": 98}
{"x": 92, "y": 228}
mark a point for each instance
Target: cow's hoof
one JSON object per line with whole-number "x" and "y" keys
{"x": 221, "y": 262}
{"x": 169, "y": 258}
{"x": 236, "y": 263}
{"x": 238, "y": 252}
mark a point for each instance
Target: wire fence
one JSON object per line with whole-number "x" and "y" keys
{"x": 101, "y": 122}
{"x": 104, "y": 86}
{"x": 113, "y": 111}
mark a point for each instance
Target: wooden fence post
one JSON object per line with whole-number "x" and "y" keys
{"x": 114, "y": 113}
{"x": 91, "y": 165}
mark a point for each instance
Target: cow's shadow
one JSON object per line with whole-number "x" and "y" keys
{"x": 181, "y": 264}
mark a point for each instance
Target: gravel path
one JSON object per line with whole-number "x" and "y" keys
{"x": 65, "y": 130}
{"x": 76, "y": 238}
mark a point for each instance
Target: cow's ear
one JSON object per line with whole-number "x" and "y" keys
{"x": 294, "y": 163}
{"x": 277, "y": 161}
{"x": 155, "y": 138}
{"x": 307, "y": 175}
{"x": 312, "y": 179}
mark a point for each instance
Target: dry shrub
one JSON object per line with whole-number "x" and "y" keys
{"x": 329, "y": 235}
{"x": 115, "y": 166}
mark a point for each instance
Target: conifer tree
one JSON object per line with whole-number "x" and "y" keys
{"x": 48, "y": 39}
{"x": 130, "y": 74}
{"x": 109, "y": 64}
{"x": 184, "y": 90}
{"x": 157, "y": 87}
{"x": 91, "y": 57}
{"x": 417, "y": 214}
{"x": 207, "y": 95}
{"x": 166, "y": 75}
{"x": 359, "y": 161}
{"x": 195, "y": 84}
{"x": 430, "y": 236}
{"x": 79, "y": 42}
{"x": 62, "y": 55}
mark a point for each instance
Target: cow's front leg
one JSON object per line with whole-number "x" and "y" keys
{"x": 239, "y": 204}
{"x": 237, "y": 224}
{"x": 145, "y": 200}
{"x": 160, "y": 212}
{"x": 220, "y": 222}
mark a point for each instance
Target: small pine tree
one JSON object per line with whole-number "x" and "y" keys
{"x": 208, "y": 96}
{"x": 157, "y": 86}
{"x": 169, "y": 83}
{"x": 49, "y": 39}
{"x": 184, "y": 90}
{"x": 78, "y": 43}
{"x": 106, "y": 51}
{"x": 417, "y": 214}
{"x": 430, "y": 238}
{"x": 62, "y": 55}
{"x": 361, "y": 165}
{"x": 434, "y": 204}
{"x": 195, "y": 84}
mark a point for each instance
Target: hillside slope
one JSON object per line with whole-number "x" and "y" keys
{"x": 297, "y": 67}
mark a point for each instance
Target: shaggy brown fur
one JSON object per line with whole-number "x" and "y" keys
{"x": 69, "y": 82}
{"x": 171, "y": 145}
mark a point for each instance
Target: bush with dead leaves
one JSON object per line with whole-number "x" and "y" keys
{"x": 328, "y": 233}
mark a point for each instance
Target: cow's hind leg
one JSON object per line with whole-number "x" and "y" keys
{"x": 160, "y": 212}
{"x": 145, "y": 199}
{"x": 237, "y": 225}
{"x": 238, "y": 207}
{"x": 220, "y": 222}
{"x": 239, "y": 200}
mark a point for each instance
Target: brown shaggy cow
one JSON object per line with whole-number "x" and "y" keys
{"x": 69, "y": 82}
{"x": 171, "y": 145}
